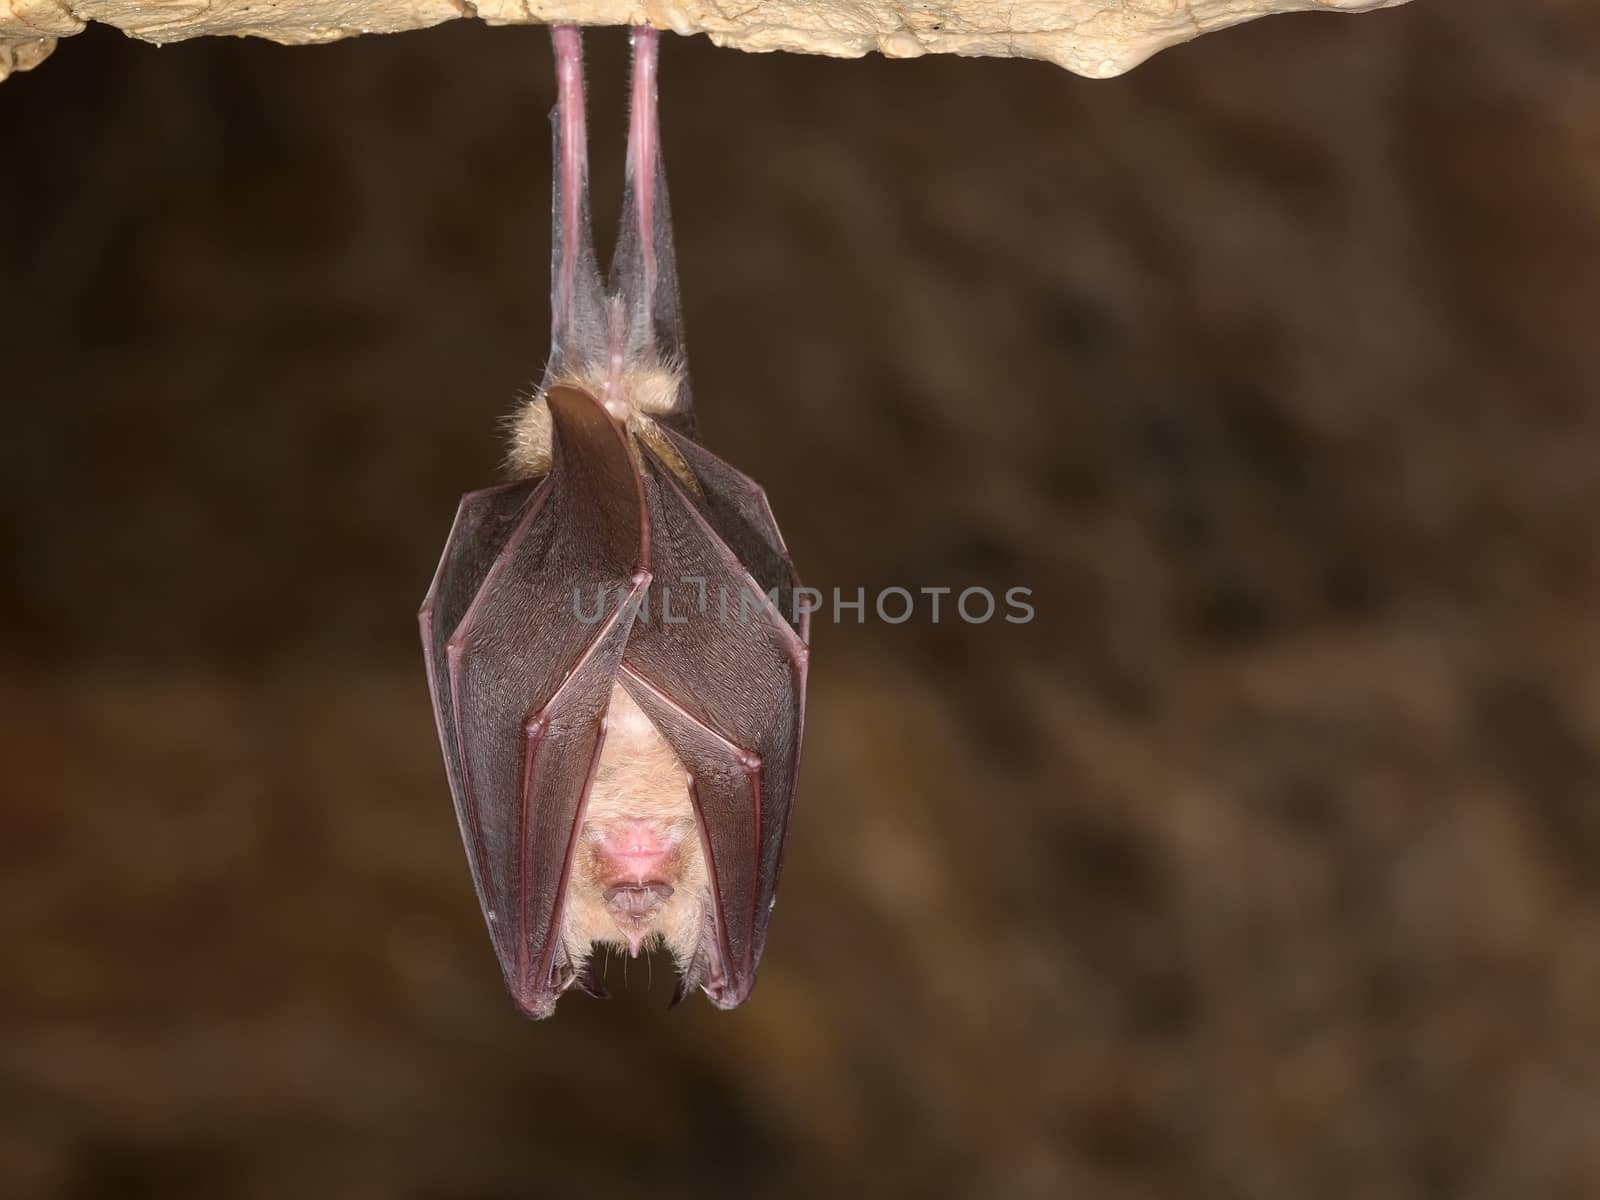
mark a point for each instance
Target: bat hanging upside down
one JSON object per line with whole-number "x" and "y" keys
{"x": 616, "y": 659}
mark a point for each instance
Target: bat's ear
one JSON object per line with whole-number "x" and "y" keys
{"x": 700, "y": 969}
{"x": 539, "y": 1003}
{"x": 706, "y": 970}
{"x": 590, "y": 983}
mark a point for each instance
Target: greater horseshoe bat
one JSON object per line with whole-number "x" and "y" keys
{"x": 615, "y": 654}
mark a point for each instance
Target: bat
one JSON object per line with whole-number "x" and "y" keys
{"x": 615, "y": 654}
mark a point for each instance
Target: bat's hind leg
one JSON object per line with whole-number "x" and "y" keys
{"x": 621, "y": 343}
{"x": 578, "y": 316}
{"x": 648, "y": 342}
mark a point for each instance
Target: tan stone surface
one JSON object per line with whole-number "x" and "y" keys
{"x": 23, "y": 54}
{"x": 1098, "y": 38}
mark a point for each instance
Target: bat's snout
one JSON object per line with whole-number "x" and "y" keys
{"x": 638, "y": 900}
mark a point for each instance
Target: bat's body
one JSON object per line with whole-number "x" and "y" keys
{"x": 615, "y": 657}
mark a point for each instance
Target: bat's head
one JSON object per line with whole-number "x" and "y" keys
{"x": 639, "y": 874}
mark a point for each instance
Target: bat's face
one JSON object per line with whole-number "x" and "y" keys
{"x": 639, "y": 870}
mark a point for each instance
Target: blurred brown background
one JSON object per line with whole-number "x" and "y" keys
{"x": 1264, "y": 864}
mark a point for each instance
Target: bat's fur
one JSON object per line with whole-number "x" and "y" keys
{"x": 645, "y": 392}
{"x": 639, "y": 779}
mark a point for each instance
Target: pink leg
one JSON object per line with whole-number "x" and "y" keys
{"x": 572, "y": 193}
{"x": 634, "y": 320}
{"x": 643, "y": 274}
{"x": 643, "y": 160}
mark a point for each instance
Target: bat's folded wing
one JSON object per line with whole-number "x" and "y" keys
{"x": 721, "y": 673}
{"x": 524, "y": 630}
{"x": 484, "y": 523}
{"x": 736, "y": 508}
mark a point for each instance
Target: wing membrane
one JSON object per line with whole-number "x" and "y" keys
{"x": 528, "y": 676}
{"x": 735, "y": 676}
